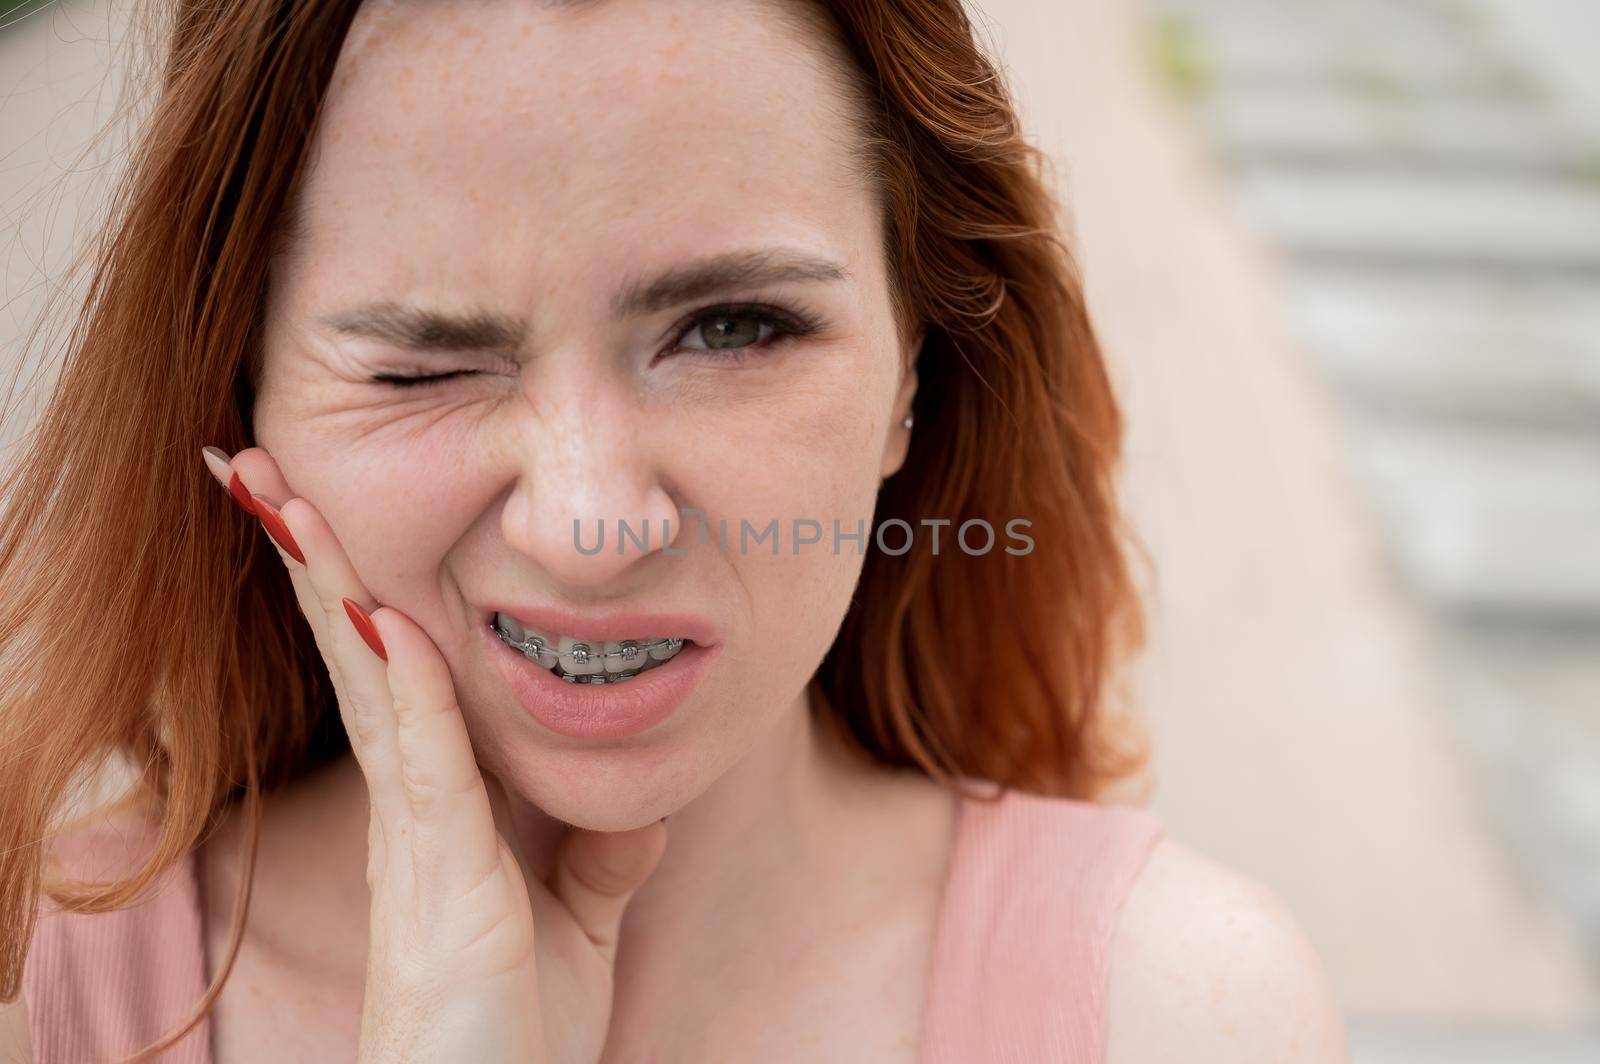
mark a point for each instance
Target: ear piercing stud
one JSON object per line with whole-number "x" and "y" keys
{"x": 907, "y": 422}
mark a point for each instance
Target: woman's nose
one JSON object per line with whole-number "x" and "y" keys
{"x": 589, "y": 501}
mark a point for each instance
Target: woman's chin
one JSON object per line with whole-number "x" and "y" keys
{"x": 598, "y": 789}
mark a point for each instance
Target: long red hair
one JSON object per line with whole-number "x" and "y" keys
{"x": 998, "y": 666}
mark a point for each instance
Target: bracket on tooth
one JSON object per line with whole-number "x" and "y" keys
{"x": 631, "y": 650}
{"x": 583, "y": 653}
{"x": 599, "y": 677}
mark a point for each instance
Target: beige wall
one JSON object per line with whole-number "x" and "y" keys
{"x": 59, "y": 148}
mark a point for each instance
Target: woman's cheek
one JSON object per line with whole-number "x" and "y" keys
{"x": 820, "y": 488}
{"x": 800, "y": 443}
{"x": 397, "y": 500}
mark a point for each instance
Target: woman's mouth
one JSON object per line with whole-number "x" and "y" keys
{"x": 588, "y": 687}
{"x": 581, "y": 661}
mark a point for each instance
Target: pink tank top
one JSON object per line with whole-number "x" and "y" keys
{"x": 1020, "y": 955}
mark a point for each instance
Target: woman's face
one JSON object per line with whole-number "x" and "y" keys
{"x": 528, "y": 172}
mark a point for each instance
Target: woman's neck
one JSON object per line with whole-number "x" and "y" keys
{"x": 777, "y": 823}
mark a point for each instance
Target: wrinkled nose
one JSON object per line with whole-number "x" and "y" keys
{"x": 589, "y": 502}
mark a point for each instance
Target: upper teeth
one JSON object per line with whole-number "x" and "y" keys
{"x": 619, "y": 659}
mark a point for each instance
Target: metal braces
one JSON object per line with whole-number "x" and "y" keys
{"x": 583, "y": 653}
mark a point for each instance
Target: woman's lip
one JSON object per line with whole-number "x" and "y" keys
{"x": 600, "y": 711}
{"x": 597, "y": 627}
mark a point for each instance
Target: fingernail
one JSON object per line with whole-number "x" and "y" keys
{"x": 365, "y": 628}
{"x": 217, "y": 459}
{"x": 272, "y": 521}
{"x": 241, "y": 495}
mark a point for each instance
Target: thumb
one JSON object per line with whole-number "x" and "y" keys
{"x": 597, "y": 872}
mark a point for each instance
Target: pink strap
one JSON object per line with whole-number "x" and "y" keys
{"x": 100, "y": 987}
{"x": 1022, "y": 952}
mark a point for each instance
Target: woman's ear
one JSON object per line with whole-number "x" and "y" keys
{"x": 901, "y": 427}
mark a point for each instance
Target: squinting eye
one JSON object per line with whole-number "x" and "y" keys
{"x": 408, "y": 380}
{"x": 730, "y": 332}
{"x": 743, "y": 328}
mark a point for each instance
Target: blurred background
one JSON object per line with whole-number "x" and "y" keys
{"x": 1345, "y": 259}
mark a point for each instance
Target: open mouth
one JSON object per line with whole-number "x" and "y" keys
{"x": 601, "y": 689}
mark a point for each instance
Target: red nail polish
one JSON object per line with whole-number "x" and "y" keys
{"x": 365, "y": 628}
{"x": 241, "y": 495}
{"x": 273, "y": 522}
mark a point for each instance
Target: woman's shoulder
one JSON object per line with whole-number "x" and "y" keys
{"x": 1207, "y": 965}
{"x": 99, "y": 985}
{"x": 106, "y": 847}
{"x": 1079, "y": 852}
{"x": 1029, "y": 910}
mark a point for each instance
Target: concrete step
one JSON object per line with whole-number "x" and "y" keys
{"x": 1476, "y": 223}
{"x": 1337, "y": 130}
{"x": 1501, "y": 522}
{"x": 1526, "y": 700}
{"x": 1379, "y": 48}
{"x": 1557, "y": 38}
{"x": 1455, "y": 349}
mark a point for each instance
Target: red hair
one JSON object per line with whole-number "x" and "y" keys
{"x": 215, "y": 691}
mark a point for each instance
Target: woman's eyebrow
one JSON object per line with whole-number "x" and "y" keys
{"x": 420, "y": 329}
{"x": 733, "y": 269}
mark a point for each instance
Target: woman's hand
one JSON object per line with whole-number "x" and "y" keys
{"x": 471, "y": 958}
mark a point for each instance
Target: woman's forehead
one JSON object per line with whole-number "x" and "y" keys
{"x": 538, "y": 126}
{"x": 592, "y": 114}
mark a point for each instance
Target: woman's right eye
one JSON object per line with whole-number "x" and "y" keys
{"x": 410, "y": 380}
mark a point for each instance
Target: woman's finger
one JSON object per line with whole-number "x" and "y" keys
{"x": 260, "y": 473}
{"x": 456, "y": 844}
{"x": 324, "y": 581}
{"x": 366, "y": 698}
{"x": 256, "y": 474}
{"x": 223, "y": 471}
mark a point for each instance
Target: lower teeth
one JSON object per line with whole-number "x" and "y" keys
{"x": 598, "y": 677}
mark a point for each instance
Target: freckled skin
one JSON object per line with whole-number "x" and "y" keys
{"x": 525, "y": 161}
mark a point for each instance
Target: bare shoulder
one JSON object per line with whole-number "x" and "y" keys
{"x": 15, "y": 1047}
{"x": 1207, "y": 966}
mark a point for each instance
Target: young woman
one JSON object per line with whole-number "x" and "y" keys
{"x": 694, "y": 582}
